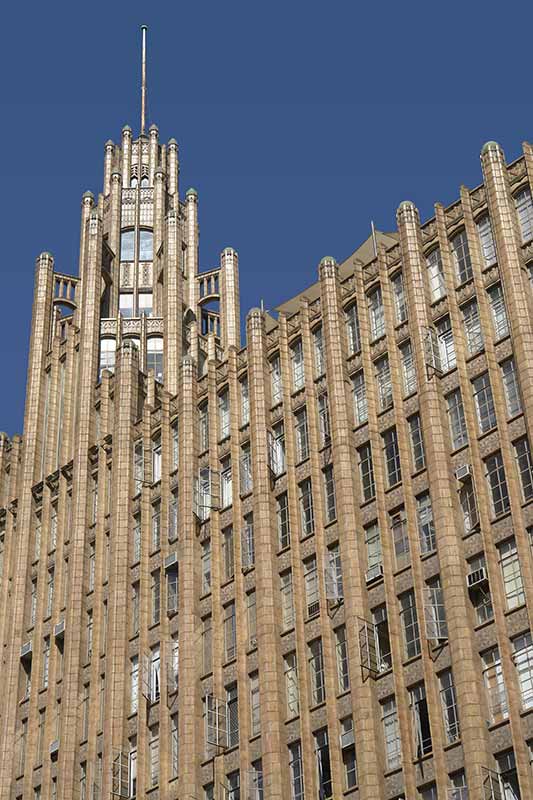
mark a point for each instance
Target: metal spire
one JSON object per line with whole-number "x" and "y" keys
{"x": 144, "y": 28}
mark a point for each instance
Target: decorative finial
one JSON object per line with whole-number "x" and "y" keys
{"x": 144, "y": 28}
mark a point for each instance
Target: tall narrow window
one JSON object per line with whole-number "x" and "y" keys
{"x": 153, "y": 754}
{"x": 409, "y": 617}
{"x": 283, "y": 522}
{"x": 203, "y": 420}
{"x": 523, "y": 660}
{"x": 341, "y": 648}
{"x": 275, "y": 380}
{"x": 408, "y": 368}
{"x": 524, "y": 209}
{"x": 207, "y": 645}
{"x": 246, "y": 469}
{"x": 498, "y": 310}
{"x": 226, "y": 483}
{"x": 311, "y": 586}
{"x": 50, "y": 592}
{"x": 135, "y": 608}
{"x": 472, "y": 327}
{"x": 352, "y": 329}
{"x": 323, "y": 419}
{"x": 46, "y": 660}
{"x": 488, "y": 247}
{"x": 447, "y": 354}
{"x": 318, "y": 342}
{"x": 156, "y": 525}
{"x": 497, "y": 482}
{"x": 456, "y": 419}
{"x": 382, "y": 638}
{"x": 228, "y": 553}
{"x": 437, "y": 285}
{"x": 316, "y": 672}
{"x": 359, "y": 398}
{"x": 421, "y": 726}
{"x": 468, "y": 502}
{"x": 486, "y": 414}
{"x": 287, "y": 600}
{"x": 251, "y": 618}
{"x": 330, "y": 506}
{"x": 525, "y": 467}
{"x": 400, "y": 303}
{"x": 301, "y": 434}
{"x": 206, "y": 566}
{"x": 230, "y": 632}
{"x": 426, "y": 525}
{"x": 232, "y": 703}
{"x": 174, "y": 746}
{"x": 245, "y": 401}
{"x": 306, "y": 508}
{"x": 156, "y": 596}
{"x": 391, "y": 733}
{"x": 296, "y": 771}
{"x": 417, "y": 443}
{"x": 479, "y": 590}
{"x": 384, "y": 382}
{"x": 138, "y": 465}
{"x": 398, "y": 525}
{"x": 450, "y": 711}
{"x": 223, "y": 414}
{"x": 495, "y": 685}
{"x": 291, "y": 684}
{"x": 513, "y": 583}
{"x": 392, "y": 456}
{"x": 173, "y": 517}
{"x": 146, "y": 246}
{"x": 297, "y": 361}
{"x": 366, "y": 472}
{"x": 377, "y": 314}
{"x": 108, "y": 349}
{"x": 255, "y": 708}
{"x": 154, "y": 356}
{"x": 461, "y": 257}
{"x": 126, "y": 305}
{"x": 247, "y": 542}
{"x": 373, "y": 551}
{"x": 511, "y": 387}
{"x": 323, "y": 764}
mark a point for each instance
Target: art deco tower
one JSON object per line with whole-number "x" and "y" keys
{"x": 298, "y": 569}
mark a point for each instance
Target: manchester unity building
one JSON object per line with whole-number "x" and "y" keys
{"x": 296, "y": 569}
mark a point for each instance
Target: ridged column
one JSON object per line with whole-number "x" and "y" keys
{"x": 87, "y": 203}
{"x": 366, "y": 710}
{"x": 75, "y": 621}
{"x": 14, "y": 631}
{"x": 126, "y": 412}
{"x": 191, "y": 267}
{"x": 114, "y": 239}
{"x": 229, "y": 298}
{"x": 442, "y": 487}
{"x": 108, "y": 165}
{"x": 266, "y": 583}
{"x": 190, "y": 713}
{"x": 153, "y": 132}
{"x": 126, "y": 156}
{"x": 173, "y": 304}
{"x": 173, "y": 169}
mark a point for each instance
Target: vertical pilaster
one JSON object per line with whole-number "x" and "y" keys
{"x": 442, "y": 489}
{"x": 126, "y": 156}
{"x": 173, "y": 171}
{"x": 366, "y": 709}
{"x": 173, "y": 304}
{"x": 267, "y": 589}
{"x": 126, "y": 405}
{"x": 108, "y": 165}
{"x": 229, "y": 298}
{"x": 191, "y": 267}
{"x": 153, "y": 151}
{"x": 190, "y": 716}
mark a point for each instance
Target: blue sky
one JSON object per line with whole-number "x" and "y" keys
{"x": 298, "y": 122}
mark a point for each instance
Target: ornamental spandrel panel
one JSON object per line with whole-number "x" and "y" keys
{"x": 453, "y": 214}
{"x": 516, "y": 171}
{"x": 490, "y": 275}
{"x": 439, "y": 308}
{"x": 429, "y": 231}
{"x": 478, "y": 197}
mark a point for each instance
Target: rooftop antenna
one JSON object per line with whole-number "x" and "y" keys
{"x": 374, "y": 241}
{"x": 144, "y": 28}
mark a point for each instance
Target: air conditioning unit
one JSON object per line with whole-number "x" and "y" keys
{"x": 54, "y": 748}
{"x": 171, "y": 561}
{"x": 476, "y": 577}
{"x": 463, "y": 472}
{"x": 59, "y": 629}
{"x": 26, "y": 650}
{"x": 374, "y": 573}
